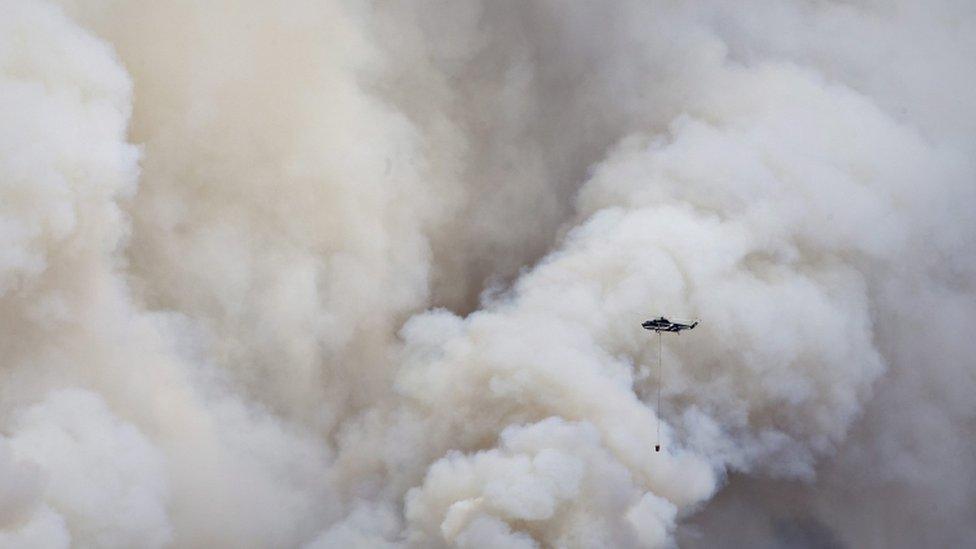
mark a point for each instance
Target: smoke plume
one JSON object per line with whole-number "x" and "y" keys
{"x": 371, "y": 274}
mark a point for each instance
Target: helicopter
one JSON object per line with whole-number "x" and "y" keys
{"x": 662, "y": 324}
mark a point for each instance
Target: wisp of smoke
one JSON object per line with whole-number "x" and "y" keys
{"x": 371, "y": 274}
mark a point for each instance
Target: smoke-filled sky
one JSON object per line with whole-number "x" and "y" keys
{"x": 344, "y": 273}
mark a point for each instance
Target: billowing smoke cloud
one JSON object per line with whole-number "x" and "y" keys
{"x": 339, "y": 274}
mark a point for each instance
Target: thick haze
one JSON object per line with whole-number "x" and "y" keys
{"x": 371, "y": 274}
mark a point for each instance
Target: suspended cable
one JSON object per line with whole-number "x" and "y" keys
{"x": 660, "y": 382}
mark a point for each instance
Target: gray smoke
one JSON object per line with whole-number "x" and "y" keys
{"x": 371, "y": 274}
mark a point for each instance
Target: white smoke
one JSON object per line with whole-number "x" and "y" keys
{"x": 338, "y": 274}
